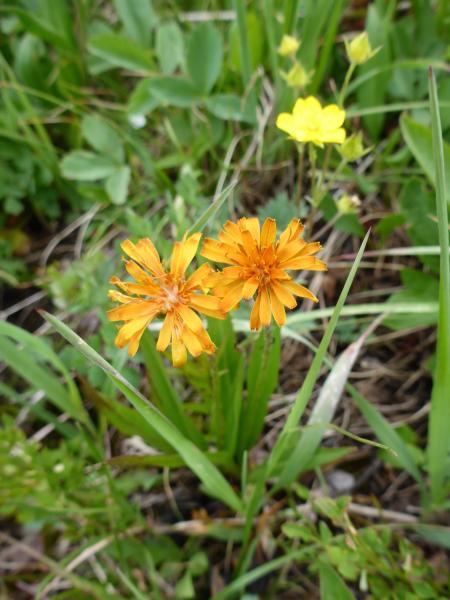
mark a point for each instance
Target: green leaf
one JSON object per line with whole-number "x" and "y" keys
{"x": 204, "y": 56}
{"x": 419, "y": 140}
{"x": 373, "y": 92}
{"x": 212, "y": 209}
{"x": 226, "y": 106}
{"x": 120, "y": 51}
{"x": 138, "y": 18}
{"x": 86, "y": 166}
{"x": 169, "y": 47}
{"x": 215, "y": 484}
{"x": 41, "y": 28}
{"x": 262, "y": 380}
{"x": 322, "y": 413}
{"x": 304, "y": 394}
{"x": 164, "y": 393}
{"x": 175, "y": 91}
{"x": 332, "y": 586}
{"x": 438, "y": 439}
{"x": 117, "y": 185}
{"x": 102, "y": 137}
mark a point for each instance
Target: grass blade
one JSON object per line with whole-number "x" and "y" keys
{"x": 208, "y": 214}
{"x": 438, "y": 439}
{"x": 305, "y": 391}
{"x": 324, "y": 410}
{"x": 215, "y": 484}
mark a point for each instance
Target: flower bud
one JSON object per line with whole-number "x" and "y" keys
{"x": 353, "y": 148}
{"x": 347, "y": 205}
{"x": 288, "y": 46}
{"x": 359, "y": 49}
{"x": 297, "y": 77}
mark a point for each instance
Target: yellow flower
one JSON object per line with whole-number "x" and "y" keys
{"x": 297, "y": 77}
{"x": 170, "y": 293}
{"x": 288, "y": 46}
{"x": 258, "y": 265}
{"x": 353, "y": 148}
{"x": 359, "y": 49}
{"x": 348, "y": 205}
{"x": 309, "y": 122}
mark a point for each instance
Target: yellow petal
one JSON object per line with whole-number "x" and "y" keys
{"x": 310, "y": 263}
{"x": 286, "y": 123}
{"x": 332, "y": 117}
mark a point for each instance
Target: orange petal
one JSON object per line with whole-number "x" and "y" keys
{"x": 283, "y": 294}
{"x": 299, "y": 290}
{"x": 179, "y": 354}
{"x": 279, "y": 314}
{"x": 250, "y": 287}
{"x": 255, "y": 322}
{"x": 127, "y": 331}
{"x": 133, "y": 310}
{"x": 190, "y": 318}
{"x": 183, "y": 254}
{"x": 191, "y": 342}
{"x": 143, "y": 255}
{"x": 268, "y": 232}
{"x": 199, "y": 278}
{"x": 309, "y": 263}
{"x": 233, "y": 296}
{"x": 165, "y": 333}
{"x": 208, "y": 305}
{"x": 265, "y": 315}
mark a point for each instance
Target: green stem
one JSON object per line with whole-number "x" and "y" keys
{"x": 301, "y": 165}
{"x": 344, "y": 87}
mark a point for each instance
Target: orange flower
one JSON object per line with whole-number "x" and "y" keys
{"x": 169, "y": 293}
{"x": 259, "y": 264}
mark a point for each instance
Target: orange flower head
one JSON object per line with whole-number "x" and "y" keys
{"x": 156, "y": 291}
{"x": 259, "y": 264}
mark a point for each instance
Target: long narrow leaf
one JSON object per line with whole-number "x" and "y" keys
{"x": 215, "y": 484}
{"x": 305, "y": 391}
{"x": 438, "y": 438}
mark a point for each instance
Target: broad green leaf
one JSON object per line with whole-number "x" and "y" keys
{"x": 438, "y": 438}
{"x": 204, "y": 56}
{"x": 42, "y": 28}
{"x": 141, "y": 100}
{"x": 332, "y": 586}
{"x": 117, "y": 185}
{"x": 169, "y": 47}
{"x": 138, "y": 18}
{"x": 373, "y": 91}
{"x": 225, "y": 106}
{"x": 215, "y": 484}
{"x": 175, "y": 91}
{"x": 86, "y": 166}
{"x": 120, "y": 51}
{"x": 419, "y": 140}
{"x": 102, "y": 137}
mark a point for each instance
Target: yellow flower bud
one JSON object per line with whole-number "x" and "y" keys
{"x": 347, "y": 205}
{"x": 353, "y": 148}
{"x": 288, "y": 46}
{"x": 359, "y": 49}
{"x": 297, "y": 77}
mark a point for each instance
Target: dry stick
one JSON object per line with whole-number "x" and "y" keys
{"x": 51, "y": 564}
{"x": 67, "y": 231}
